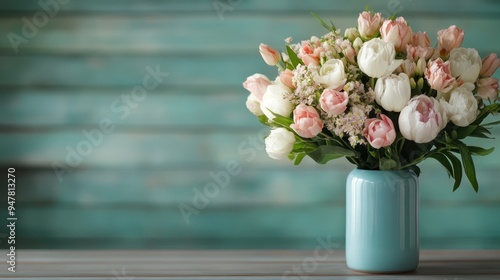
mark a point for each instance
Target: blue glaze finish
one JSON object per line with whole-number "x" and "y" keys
{"x": 382, "y": 221}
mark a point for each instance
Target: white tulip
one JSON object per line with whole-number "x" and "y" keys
{"x": 274, "y": 101}
{"x": 465, "y": 64}
{"x": 422, "y": 119}
{"x": 393, "y": 92}
{"x": 357, "y": 44}
{"x": 462, "y": 107}
{"x": 279, "y": 143}
{"x": 376, "y": 58}
{"x": 253, "y": 105}
{"x": 331, "y": 74}
{"x": 351, "y": 34}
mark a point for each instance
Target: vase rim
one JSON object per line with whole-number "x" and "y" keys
{"x": 378, "y": 170}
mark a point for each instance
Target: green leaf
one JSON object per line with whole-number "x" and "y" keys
{"x": 263, "y": 119}
{"x": 481, "y": 132}
{"x": 491, "y": 123}
{"x": 468, "y": 163}
{"x": 303, "y": 147}
{"x": 325, "y": 153}
{"x": 463, "y": 132}
{"x": 281, "y": 121}
{"x": 299, "y": 158}
{"x": 457, "y": 169}
{"x": 444, "y": 161}
{"x": 333, "y": 27}
{"x": 387, "y": 164}
{"x": 492, "y": 108}
{"x": 372, "y": 152}
{"x": 480, "y": 151}
{"x": 294, "y": 59}
{"x": 298, "y": 145}
{"x": 325, "y": 25}
{"x": 351, "y": 160}
{"x": 447, "y": 137}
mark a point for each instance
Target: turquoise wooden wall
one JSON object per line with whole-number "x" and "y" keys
{"x": 70, "y": 74}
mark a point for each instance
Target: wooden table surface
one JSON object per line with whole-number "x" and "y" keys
{"x": 252, "y": 264}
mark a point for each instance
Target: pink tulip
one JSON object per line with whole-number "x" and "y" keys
{"x": 270, "y": 55}
{"x": 449, "y": 39}
{"x": 488, "y": 88}
{"x": 257, "y": 85}
{"x": 420, "y": 47}
{"x": 309, "y": 54}
{"x": 379, "y": 132}
{"x": 310, "y": 59}
{"x": 333, "y": 102}
{"x": 307, "y": 122}
{"x": 350, "y": 54}
{"x": 415, "y": 52}
{"x": 306, "y": 48}
{"x": 397, "y": 32}
{"x": 490, "y": 65}
{"x": 438, "y": 75}
{"x": 286, "y": 78}
{"x": 369, "y": 25}
{"x": 420, "y": 39}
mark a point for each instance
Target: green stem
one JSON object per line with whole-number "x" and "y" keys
{"x": 403, "y": 140}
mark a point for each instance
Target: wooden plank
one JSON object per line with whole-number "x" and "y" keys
{"x": 252, "y": 187}
{"x": 175, "y": 107}
{"x": 154, "y": 149}
{"x": 135, "y": 149}
{"x": 439, "y": 221}
{"x": 160, "y": 222}
{"x": 129, "y": 71}
{"x": 278, "y": 6}
{"x": 434, "y": 180}
{"x": 166, "y": 187}
{"x": 160, "y": 34}
{"x": 156, "y": 34}
{"x": 309, "y": 221}
{"x": 242, "y": 264}
{"x": 213, "y": 243}
{"x": 208, "y": 243}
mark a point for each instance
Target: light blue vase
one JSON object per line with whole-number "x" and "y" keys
{"x": 382, "y": 234}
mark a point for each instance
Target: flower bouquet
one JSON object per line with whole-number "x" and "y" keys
{"x": 378, "y": 95}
